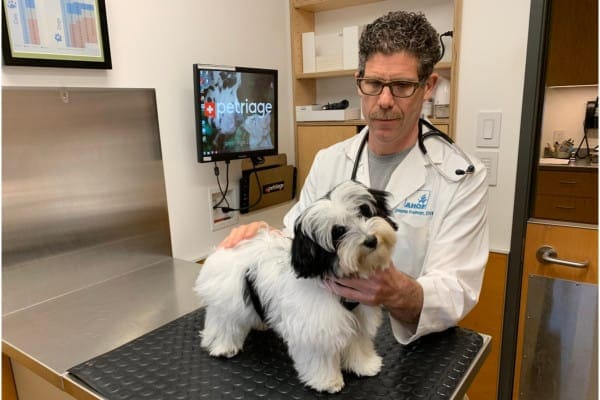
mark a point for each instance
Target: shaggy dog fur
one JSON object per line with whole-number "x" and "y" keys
{"x": 278, "y": 282}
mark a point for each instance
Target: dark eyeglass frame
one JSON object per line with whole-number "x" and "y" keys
{"x": 390, "y": 84}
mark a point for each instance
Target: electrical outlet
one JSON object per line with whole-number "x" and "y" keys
{"x": 218, "y": 218}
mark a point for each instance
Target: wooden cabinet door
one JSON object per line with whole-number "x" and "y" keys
{"x": 571, "y": 243}
{"x": 573, "y": 47}
{"x": 311, "y": 139}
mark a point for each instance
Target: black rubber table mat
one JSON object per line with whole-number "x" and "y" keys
{"x": 168, "y": 363}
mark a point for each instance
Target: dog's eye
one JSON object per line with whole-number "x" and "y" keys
{"x": 366, "y": 211}
{"x": 337, "y": 232}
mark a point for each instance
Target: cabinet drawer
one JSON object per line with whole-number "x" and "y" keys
{"x": 581, "y": 184}
{"x": 567, "y": 208}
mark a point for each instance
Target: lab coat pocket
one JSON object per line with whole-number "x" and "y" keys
{"x": 413, "y": 236}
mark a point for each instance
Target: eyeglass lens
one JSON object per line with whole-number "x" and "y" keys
{"x": 374, "y": 87}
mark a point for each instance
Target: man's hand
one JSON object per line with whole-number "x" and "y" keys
{"x": 396, "y": 291}
{"x": 242, "y": 232}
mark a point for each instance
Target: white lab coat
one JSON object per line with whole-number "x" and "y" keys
{"x": 442, "y": 226}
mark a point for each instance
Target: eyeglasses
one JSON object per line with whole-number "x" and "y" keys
{"x": 374, "y": 87}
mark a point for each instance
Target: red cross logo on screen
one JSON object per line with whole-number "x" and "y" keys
{"x": 210, "y": 109}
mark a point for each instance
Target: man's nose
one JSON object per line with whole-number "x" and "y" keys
{"x": 386, "y": 100}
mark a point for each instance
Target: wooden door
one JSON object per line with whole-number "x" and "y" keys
{"x": 572, "y": 243}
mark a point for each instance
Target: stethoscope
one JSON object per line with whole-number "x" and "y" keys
{"x": 432, "y": 132}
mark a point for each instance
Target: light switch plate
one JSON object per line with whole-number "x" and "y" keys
{"x": 490, "y": 160}
{"x": 488, "y": 128}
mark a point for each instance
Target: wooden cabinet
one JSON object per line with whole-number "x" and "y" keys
{"x": 573, "y": 43}
{"x": 486, "y": 318}
{"x": 577, "y": 244}
{"x": 567, "y": 194}
{"x": 311, "y": 137}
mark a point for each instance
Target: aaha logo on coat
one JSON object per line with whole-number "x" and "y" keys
{"x": 418, "y": 201}
{"x": 416, "y": 204}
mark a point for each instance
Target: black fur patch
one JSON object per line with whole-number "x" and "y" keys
{"x": 382, "y": 206}
{"x": 250, "y": 295}
{"x": 310, "y": 260}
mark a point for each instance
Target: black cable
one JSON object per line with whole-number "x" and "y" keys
{"x": 450, "y": 34}
{"x": 587, "y": 145}
{"x": 223, "y": 193}
{"x": 227, "y": 208}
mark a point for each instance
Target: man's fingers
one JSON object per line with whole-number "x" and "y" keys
{"x": 242, "y": 232}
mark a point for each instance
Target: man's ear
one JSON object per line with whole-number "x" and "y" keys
{"x": 430, "y": 85}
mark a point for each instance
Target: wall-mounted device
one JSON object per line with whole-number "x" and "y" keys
{"x": 591, "y": 115}
{"x": 236, "y": 112}
{"x": 590, "y": 122}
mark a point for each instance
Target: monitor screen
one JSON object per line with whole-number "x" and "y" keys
{"x": 236, "y": 112}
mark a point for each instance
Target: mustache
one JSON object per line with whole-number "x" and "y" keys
{"x": 385, "y": 114}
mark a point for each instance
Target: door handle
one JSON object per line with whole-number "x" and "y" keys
{"x": 547, "y": 255}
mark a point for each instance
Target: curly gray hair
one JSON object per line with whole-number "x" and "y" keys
{"x": 401, "y": 31}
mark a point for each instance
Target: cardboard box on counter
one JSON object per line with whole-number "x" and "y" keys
{"x": 314, "y": 113}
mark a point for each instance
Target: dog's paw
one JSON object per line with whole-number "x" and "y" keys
{"x": 329, "y": 385}
{"x": 368, "y": 366}
{"x": 224, "y": 351}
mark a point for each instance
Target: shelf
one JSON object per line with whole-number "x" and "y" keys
{"x": 326, "y": 5}
{"x": 348, "y": 122}
{"x": 359, "y": 122}
{"x": 326, "y": 74}
{"x": 444, "y": 65}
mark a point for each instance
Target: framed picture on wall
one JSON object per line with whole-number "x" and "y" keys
{"x": 55, "y": 33}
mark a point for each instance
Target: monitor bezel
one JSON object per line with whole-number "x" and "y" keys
{"x": 253, "y": 154}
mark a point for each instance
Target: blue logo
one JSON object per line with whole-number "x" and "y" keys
{"x": 418, "y": 201}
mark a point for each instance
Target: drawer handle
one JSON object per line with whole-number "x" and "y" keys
{"x": 547, "y": 255}
{"x": 568, "y": 182}
{"x": 565, "y": 207}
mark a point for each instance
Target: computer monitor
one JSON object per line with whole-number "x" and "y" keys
{"x": 236, "y": 112}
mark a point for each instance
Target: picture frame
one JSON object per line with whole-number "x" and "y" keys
{"x": 55, "y": 33}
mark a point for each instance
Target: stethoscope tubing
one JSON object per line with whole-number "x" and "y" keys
{"x": 433, "y": 131}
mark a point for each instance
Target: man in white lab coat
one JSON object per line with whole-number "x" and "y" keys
{"x": 442, "y": 248}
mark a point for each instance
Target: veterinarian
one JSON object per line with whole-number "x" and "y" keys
{"x": 439, "y": 199}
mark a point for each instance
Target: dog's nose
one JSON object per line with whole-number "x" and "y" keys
{"x": 371, "y": 242}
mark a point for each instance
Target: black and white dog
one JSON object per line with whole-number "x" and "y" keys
{"x": 274, "y": 281}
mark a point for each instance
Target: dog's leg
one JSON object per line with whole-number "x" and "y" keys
{"x": 224, "y": 333}
{"x": 317, "y": 367}
{"x": 360, "y": 356}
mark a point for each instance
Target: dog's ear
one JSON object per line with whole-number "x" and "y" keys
{"x": 310, "y": 260}
{"x": 383, "y": 208}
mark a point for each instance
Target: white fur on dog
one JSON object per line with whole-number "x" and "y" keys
{"x": 322, "y": 336}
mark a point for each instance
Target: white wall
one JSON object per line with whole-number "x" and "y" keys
{"x": 564, "y": 112}
{"x": 154, "y": 44}
{"x": 492, "y": 69}
{"x": 158, "y": 48}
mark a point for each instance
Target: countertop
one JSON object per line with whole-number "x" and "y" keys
{"x": 53, "y": 335}
{"x": 578, "y": 165}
